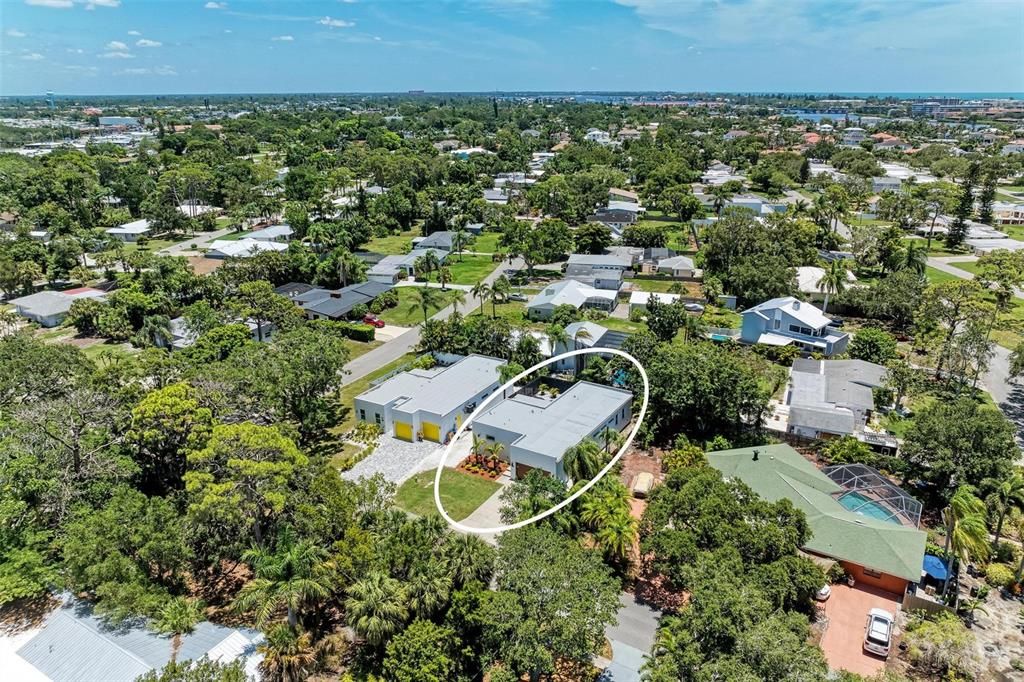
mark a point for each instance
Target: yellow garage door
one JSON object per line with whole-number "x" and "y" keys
{"x": 431, "y": 431}
{"x": 403, "y": 431}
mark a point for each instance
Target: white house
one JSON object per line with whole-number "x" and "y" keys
{"x": 885, "y": 183}
{"x": 1015, "y": 147}
{"x": 598, "y": 136}
{"x": 274, "y": 233}
{"x": 49, "y": 308}
{"x": 788, "y": 321}
{"x": 242, "y": 248}
{"x": 638, "y": 299}
{"x": 130, "y": 232}
{"x": 681, "y": 267}
{"x": 808, "y": 278}
{"x": 569, "y": 292}
{"x": 828, "y": 398}
{"x": 429, "y": 404}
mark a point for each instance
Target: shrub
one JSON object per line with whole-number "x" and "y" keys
{"x": 366, "y": 432}
{"x": 940, "y": 644}
{"x": 357, "y": 331}
{"x": 999, "y": 575}
{"x": 359, "y": 311}
{"x": 718, "y": 443}
{"x": 682, "y": 458}
{"x": 636, "y": 315}
{"x": 874, "y": 345}
{"x": 847, "y": 450}
{"x": 427, "y": 361}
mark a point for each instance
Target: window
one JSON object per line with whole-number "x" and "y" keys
{"x": 362, "y": 415}
{"x": 872, "y": 574}
{"x": 377, "y": 418}
{"x": 778, "y": 323}
{"x": 490, "y": 438}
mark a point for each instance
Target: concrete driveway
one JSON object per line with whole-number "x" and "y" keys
{"x": 847, "y": 612}
{"x": 631, "y": 637}
{"x": 393, "y": 458}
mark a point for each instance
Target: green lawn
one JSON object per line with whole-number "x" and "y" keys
{"x": 513, "y": 311}
{"x": 969, "y": 266}
{"x": 121, "y": 350}
{"x": 663, "y": 284}
{"x": 405, "y": 314}
{"x": 392, "y": 245}
{"x": 620, "y": 325}
{"x": 235, "y": 236}
{"x": 461, "y": 493}
{"x": 937, "y": 276}
{"x": 469, "y": 270}
{"x": 486, "y": 243}
{"x": 357, "y": 348}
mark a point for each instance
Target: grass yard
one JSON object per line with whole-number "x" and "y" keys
{"x": 620, "y": 325}
{"x": 235, "y": 236}
{"x": 392, "y": 245}
{"x": 513, "y": 311}
{"x": 461, "y": 493}
{"x": 937, "y": 276}
{"x": 663, "y": 284}
{"x": 486, "y": 242}
{"x": 357, "y": 348}
{"x": 119, "y": 350}
{"x": 405, "y": 314}
{"x": 470, "y": 270}
{"x": 967, "y": 266}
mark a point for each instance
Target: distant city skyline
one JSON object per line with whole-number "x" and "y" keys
{"x": 112, "y": 47}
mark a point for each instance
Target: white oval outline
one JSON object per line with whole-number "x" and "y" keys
{"x": 508, "y": 384}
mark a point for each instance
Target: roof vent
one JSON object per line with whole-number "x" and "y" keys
{"x": 796, "y": 305}
{"x": 757, "y": 453}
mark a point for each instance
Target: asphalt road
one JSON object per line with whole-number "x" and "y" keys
{"x": 400, "y": 345}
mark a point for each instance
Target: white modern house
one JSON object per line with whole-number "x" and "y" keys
{"x": 569, "y": 292}
{"x": 429, "y": 404}
{"x": 130, "y": 232}
{"x": 536, "y": 430}
{"x": 638, "y": 300}
{"x": 598, "y": 136}
{"x": 788, "y": 321}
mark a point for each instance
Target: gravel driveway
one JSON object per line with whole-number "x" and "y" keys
{"x": 396, "y": 459}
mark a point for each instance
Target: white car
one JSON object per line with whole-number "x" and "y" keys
{"x": 878, "y": 633}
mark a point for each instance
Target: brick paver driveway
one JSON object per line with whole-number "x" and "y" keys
{"x": 847, "y": 612}
{"x": 395, "y": 459}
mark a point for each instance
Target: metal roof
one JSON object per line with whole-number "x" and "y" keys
{"x": 75, "y": 645}
{"x": 549, "y": 427}
{"x": 569, "y": 292}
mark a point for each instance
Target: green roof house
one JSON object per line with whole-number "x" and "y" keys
{"x": 856, "y": 516}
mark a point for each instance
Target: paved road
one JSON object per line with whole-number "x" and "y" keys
{"x": 184, "y": 248}
{"x": 632, "y": 638}
{"x": 399, "y": 346}
{"x": 1008, "y": 396}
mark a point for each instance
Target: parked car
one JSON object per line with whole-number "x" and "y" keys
{"x": 878, "y": 632}
{"x": 824, "y": 593}
{"x": 373, "y": 320}
{"x": 516, "y": 296}
{"x": 838, "y": 322}
{"x": 693, "y": 307}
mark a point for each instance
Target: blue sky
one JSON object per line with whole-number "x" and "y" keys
{"x": 200, "y": 46}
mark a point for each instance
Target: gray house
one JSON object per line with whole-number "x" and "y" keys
{"x": 536, "y": 430}
{"x": 429, "y": 404}
{"x": 829, "y": 398}
{"x": 332, "y": 304}
{"x": 49, "y": 308}
{"x": 569, "y": 292}
{"x": 789, "y": 321}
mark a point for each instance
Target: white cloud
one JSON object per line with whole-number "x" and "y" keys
{"x": 134, "y": 33}
{"x": 15, "y": 33}
{"x": 116, "y": 45}
{"x": 76, "y": 50}
{"x": 56, "y": 4}
{"x": 33, "y": 57}
{"x": 132, "y": 72}
{"x": 348, "y": 2}
{"x": 335, "y": 23}
{"x": 228, "y": 30}
{"x": 117, "y": 55}
{"x": 165, "y": 71}
{"x": 102, "y": 3}
{"x": 216, "y": 5}
{"x": 146, "y": 42}
{"x": 143, "y": 71}
{"x": 283, "y": 39}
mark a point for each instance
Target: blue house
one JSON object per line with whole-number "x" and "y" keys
{"x": 787, "y": 320}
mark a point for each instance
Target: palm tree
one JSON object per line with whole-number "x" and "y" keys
{"x": 915, "y": 257}
{"x": 616, "y": 535}
{"x": 693, "y": 326}
{"x": 1007, "y": 494}
{"x": 557, "y": 337}
{"x": 376, "y": 607}
{"x": 292, "y": 577}
{"x": 482, "y": 291}
{"x": 966, "y": 531}
{"x": 478, "y": 445}
{"x": 460, "y": 238}
{"x": 613, "y": 438}
{"x": 500, "y": 289}
{"x": 444, "y": 276}
{"x": 287, "y": 656}
{"x": 349, "y": 267}
{"x": 430, "y": 262}
{"x": 833, "y": 281}
{"x": 156, "y": 330}
{"x": 581, "y": 334}
{"x": 458, "y": 298}
{"x": 494, "y": 450}
{"x": 427, "y": 591}
{"x": 468, "y": 559}
{"x": 583, "y": 461}
{"x": 719, "y": 198}
{"x": 424, "y": 298}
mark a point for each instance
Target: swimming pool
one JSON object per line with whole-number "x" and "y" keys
{"x": 865, "y": 506}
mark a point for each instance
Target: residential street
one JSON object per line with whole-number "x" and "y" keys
{"x": 397, "y": 347}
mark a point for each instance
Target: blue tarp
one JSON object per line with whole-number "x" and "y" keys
{"x": 935, "y": 567}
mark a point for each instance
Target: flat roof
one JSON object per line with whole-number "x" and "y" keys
{"x": 438, "y": 390}
{"x": 549, "y": 427}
